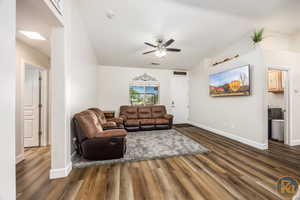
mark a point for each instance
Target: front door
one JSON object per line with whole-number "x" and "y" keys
{"x": 31, "y": 106}
{"x": 180, "y": 98}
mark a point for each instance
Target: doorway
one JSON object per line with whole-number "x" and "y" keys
{"x": 278, "y": 104}
{"x": 34, "y": 105}
{"x": 180, "y": 98}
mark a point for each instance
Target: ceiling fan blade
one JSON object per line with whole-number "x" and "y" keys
{"x": 149, "y": 52}
{"x": 169, "y": 42}
{"x": 173, "y": 49}
{"x": 151, "y": 45}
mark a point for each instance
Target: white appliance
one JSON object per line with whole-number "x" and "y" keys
{"x": 278, "y": 129}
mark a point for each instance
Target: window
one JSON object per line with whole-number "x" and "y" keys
{"x": 144, "y": 90}
{"x": 144, "y": 95}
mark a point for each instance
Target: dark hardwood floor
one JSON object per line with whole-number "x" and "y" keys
{"x": 230, "y": 170}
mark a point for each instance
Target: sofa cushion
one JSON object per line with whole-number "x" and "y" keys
{"x": 109, "y": 124}
{"x": 144, "y": 112}
{"x": 132, "y": 122}
{"x": 147, "y": 121}
{"x": 118, "y": 121}
{"x": 89, "y": 123}
{"x": 161, "y": 121}
{"x": 158, "y": 112}
{"x": 131, "y": 113}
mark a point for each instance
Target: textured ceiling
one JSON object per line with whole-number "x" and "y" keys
{"x": 199, "y": 27}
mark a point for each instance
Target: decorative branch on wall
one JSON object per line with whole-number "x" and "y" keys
{"x": 226, "y": 60}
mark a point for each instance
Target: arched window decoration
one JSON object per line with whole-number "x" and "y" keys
{"x": 144, "y": 90}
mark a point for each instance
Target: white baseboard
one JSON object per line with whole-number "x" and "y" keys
{"x": 19, "y": 158}
{"x": 257, "y": 145}
{"x": 61, "y": 172}
{"x": 295, "y": 142}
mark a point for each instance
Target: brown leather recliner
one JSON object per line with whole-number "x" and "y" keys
{"x": 94, "y": 143}
{"x": 145, "y": 117}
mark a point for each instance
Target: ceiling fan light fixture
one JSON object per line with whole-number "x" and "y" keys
{"x": 161, "y": 53}
{"x": 161, "y": 48}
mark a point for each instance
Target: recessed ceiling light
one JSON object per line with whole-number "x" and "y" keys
{"x": 33, "y": 35}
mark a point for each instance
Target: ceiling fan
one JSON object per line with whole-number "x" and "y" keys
{"x": 161, "y": 48}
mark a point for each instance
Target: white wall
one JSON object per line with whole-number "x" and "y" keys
{"x": 221, "y": 113}
{"x": 275, "y": 100}
{"x": 74, "y": 78}
{"x": 60, "y": 159}
{"x": 295, "y": 43}
{"x": 241, "y": 46}
{"x": 33, "y": 56}
{"x": 271, "y": 41}
{"x": 7, "y": 99}
{"x": 291, "y": 60}
{"x": 276, "y": 41}
{"x": 240, "y": 118}
{"x": 83, "y": 64}
{"x": 114, "y": 82}
{"x": 284, "y": 51}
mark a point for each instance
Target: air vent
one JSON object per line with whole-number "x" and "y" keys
{"x": 155, "y": 63}
{"x": 180, "y": 73}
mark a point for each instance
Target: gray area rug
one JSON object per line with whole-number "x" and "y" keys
{"x": 146, "y": 145}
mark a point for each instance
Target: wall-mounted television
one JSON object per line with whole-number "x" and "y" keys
{"x": 233, "y": 82}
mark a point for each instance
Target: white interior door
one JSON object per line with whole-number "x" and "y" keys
{"x": 31, "y": 106}
{"x": 180, "y": 98}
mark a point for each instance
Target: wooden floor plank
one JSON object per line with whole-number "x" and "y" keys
{"x": 231, "y": 170}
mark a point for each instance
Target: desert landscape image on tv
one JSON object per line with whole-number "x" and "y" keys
{"x": 233, "y": 82}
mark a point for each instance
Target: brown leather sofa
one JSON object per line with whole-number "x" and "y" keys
{"x": 145, "y": 117}
{"x": 114, "y": 123}
{"x": 94, "y": 143}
